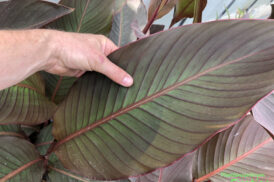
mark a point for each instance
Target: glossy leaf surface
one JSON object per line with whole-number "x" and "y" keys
{"x": 26, "y": 103}
{"x": 19, "y": 160}
{"x": 189, "y": 83}
{"x": 244, "y": 149}
{"x": 122, "y": 32}
{"x": 19, "y": 14}
{"x": 264, "y": 113}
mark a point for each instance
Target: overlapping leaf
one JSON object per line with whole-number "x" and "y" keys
{"x": 244, "y": 149}
{"x": 264, "y": 113}
{"x": 44, "y": 140}
{"x": 26, "y": 103}
{"x": 56, "y": 171}
{"x": 18, "y": 14}
{"x": 190, "y": 82}
{"x": 11, "y": 130}
{"x": 19, "y": 160}
{"x": 122, "y": 32}
{"x": 180, "y": 171}
{"x": 89, "y": 16}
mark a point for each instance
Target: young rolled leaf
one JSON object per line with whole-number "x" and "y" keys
{"x": 122, "y": 31}
{"x": 185, "y": 9}
{"x": 246, "y": 148}
{"x": 189, "y": 83}
{"x": 26, "y": 103}
{"x": 179, "y": 171}
{"x": 163, "y": 6}
{"x": 19, "y": 14}
{"x": 19, "y": 160}
{"x": 263, "y": 113}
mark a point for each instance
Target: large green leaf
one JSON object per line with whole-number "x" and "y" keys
{"x": 26, "y": 103}
{"x": 264, "y": 113}
{"x": 18, "y": 14}
{"x": 90, "y": 16}
{"x": 19, "y": 161}
{"x": 244, "y": 149}
{"x": 122, "y": 32}
{"x": 190, "y": 83}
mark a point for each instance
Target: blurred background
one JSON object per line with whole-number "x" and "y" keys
{"x": 222, "y": 9}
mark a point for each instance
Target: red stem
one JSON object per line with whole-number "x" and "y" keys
{"x": 150, "y": 22}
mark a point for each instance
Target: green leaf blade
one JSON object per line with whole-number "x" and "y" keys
{"x": 25, "y": 103}
{"x": 187, "y": 88}
{"x": 243, "y": 149}
{"x": 19, "y": 160}
{"x": 89, "y": 17}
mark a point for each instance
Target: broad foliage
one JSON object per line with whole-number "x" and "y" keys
{"x": 190, "y": 114}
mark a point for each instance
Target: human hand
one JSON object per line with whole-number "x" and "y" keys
{"x": 74, "y": 54}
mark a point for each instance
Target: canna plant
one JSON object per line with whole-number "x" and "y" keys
{"x": 189, "y": 116}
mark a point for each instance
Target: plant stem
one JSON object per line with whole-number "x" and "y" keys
{"x": 150, "y": 22}
{"x": 197, "y": 11}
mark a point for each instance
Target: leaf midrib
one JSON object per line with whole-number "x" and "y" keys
{"x": 19, "y": 170}
{"x": 151, "y": 97}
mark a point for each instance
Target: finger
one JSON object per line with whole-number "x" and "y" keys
{"x": 114, "y": 72}
{"x": 109, "y": 46}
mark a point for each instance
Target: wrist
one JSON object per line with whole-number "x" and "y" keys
{"x": 49, "y": 46}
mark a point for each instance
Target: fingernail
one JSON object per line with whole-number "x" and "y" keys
{"x": 127, "y": 81}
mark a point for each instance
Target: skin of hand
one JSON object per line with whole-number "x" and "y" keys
{"x": 24, "y": 52}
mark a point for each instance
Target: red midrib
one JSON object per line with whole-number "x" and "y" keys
{"x": 233, "y": 161}
{"x": 20, "y": 169}
{"x": 26, "y": 86}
